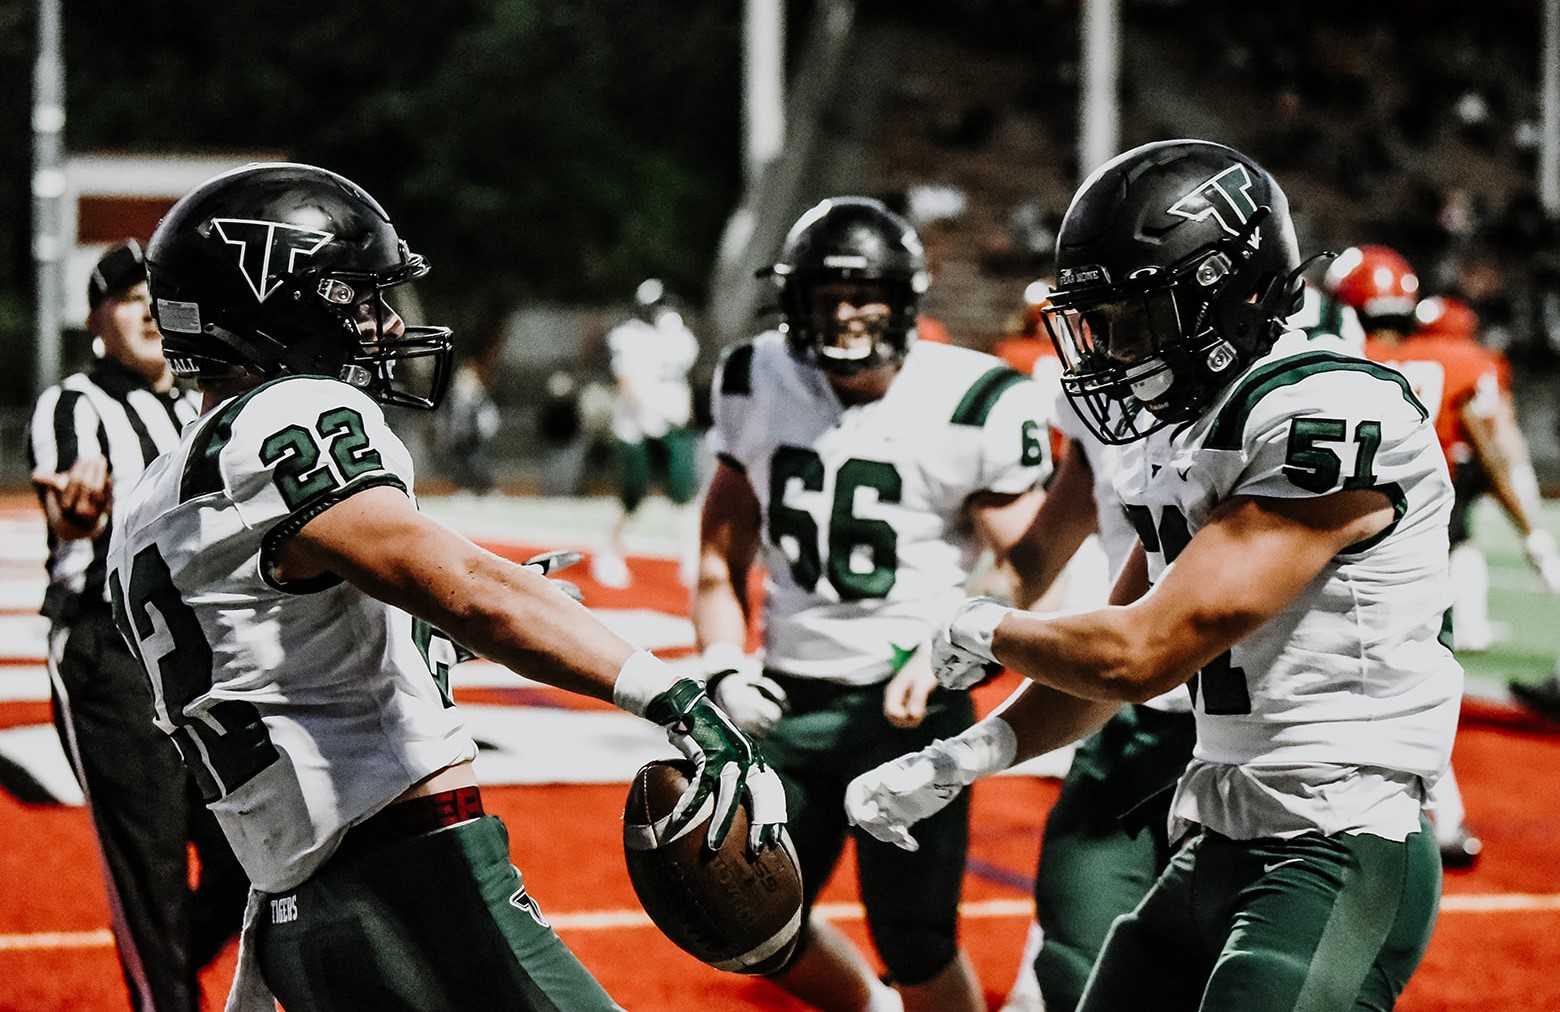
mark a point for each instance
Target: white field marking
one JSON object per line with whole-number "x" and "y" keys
{"x": 627, "y": 919}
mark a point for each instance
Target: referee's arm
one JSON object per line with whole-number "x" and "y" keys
{"x": 69, "y": 469}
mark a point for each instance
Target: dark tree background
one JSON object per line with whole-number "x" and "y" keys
{"x": 530, "y": 148}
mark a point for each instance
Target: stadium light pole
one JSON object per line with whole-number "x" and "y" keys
{"x": 763, "y": 78}
{"x": 1549, "y": 112}
{"x": 48, "y": 190}
{"x": 1099, "y": 115}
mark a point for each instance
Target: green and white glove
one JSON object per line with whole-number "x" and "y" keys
{"x": 727, "y": 763}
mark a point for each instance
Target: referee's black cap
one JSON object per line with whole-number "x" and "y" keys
{"x": 117, "y": 271}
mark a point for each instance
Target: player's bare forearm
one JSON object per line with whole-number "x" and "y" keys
{"x": 728, "y": 543}
{"x": 377, "y": 541}
{"x": 1240, "y": 570}
{"x": 719, "y": 613}
{"x": 1039, "y": 539}
{"x": 1503, "y": 454}
{"x": 1044, "y": 719}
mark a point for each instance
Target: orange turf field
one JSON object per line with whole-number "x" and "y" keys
{"x": 1497, "y": 943}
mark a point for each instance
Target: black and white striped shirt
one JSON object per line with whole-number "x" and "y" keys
{"x": 107, "y": 411}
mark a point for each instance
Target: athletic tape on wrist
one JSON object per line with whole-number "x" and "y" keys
{"x": 975, "y": 625}
{"x": 641, "y": 678}
{"x": 985, "y": 747}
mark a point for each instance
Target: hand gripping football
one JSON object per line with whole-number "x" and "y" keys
{"x": 733, "y": 910}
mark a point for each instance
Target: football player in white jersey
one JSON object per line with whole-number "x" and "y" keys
{"x": 1291, "y": 506}
{"x": 651, "y": 353}
{"x": 868, "y": 468}
{"x": 277, "y": 583}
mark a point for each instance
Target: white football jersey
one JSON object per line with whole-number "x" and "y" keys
{"x": 654, "y": 358}
{"x": 1355, "y": 672}
{"x": 864, "y": 532}
{"x": 301, "y": 708}
{"x": 1116, "y": 533}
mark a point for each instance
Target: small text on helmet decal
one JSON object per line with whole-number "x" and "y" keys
{"x": 1088, "y": 274}
{"x": 262, "y": 245}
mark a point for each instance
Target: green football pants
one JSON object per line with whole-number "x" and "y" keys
{"x": 830, "y": 734}
{"x": 438, "y": 922}
{"x": 1309, "y": 924}
{"x": 671, "y": 458}
{"x": 1094, "y": 864}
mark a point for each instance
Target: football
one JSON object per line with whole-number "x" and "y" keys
{"x": 730, "y": 909}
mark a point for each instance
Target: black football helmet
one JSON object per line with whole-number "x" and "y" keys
{"x": 277, "y": 269}
{"x": 1176, "y": 265}
{"x": 840, "y": 243}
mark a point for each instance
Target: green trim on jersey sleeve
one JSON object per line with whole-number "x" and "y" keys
{"x": 1230, "y": 426}
{"x": 983, "y": 394}
{"x": 295, "y": 521}
{"x": 202, "y": 470}
{"x": 736, "y": 371}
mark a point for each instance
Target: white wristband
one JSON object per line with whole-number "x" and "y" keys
{"x": 641, "y": 678}
{"x": 985, "y": 747}
{"x": 975, "y": 624}
{"x": 722, "y": 657}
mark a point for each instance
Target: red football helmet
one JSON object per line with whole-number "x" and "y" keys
{"x": 1446, "y": 316}
{"x": 1378, "y": 284}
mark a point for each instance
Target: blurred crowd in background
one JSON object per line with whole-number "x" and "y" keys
{"x": 1399, "y": 123}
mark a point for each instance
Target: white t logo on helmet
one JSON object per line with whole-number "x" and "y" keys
{"x": 1226, "y": 196}
{"x": 262, "y": 244}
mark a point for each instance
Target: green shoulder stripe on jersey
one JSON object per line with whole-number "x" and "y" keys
{"x": 983, "y": 394}
{"x": 1230, "y": 425}
{"x": 736, "y": 372}
{"x": 202, "y": 473}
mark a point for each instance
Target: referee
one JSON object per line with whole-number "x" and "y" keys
{"x": 93, "y": 433}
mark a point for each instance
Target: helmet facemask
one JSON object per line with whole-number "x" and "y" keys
{"x": 1155, "y": 348}
{"x": 845, "y": 325}
{"x": 406, "y": 366}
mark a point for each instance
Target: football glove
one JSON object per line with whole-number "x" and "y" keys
{"x": 961, "y": 649}
{"x": 1539, "y": 547}
{"x": 726, "y": 764}
{"x": 548, "y": 563}
{"x": 738, "y": 685}
{"x": 887, "y": 800}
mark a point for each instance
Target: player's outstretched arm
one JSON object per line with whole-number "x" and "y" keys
{"x": 891, "y": 798}
{"x": 1250, "y": 561}
{"x": 512, "y": 614}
